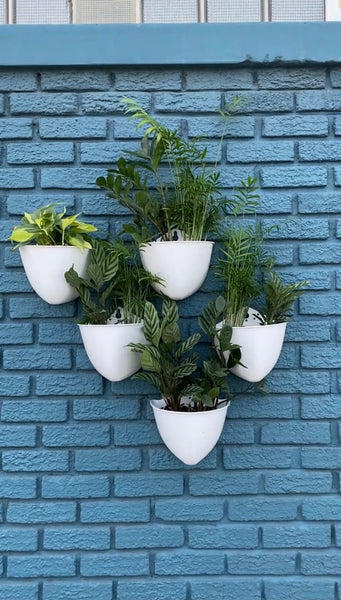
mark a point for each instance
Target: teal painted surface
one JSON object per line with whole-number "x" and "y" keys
{"x": 170, "y": 44}
{"x": 92, "y": 505}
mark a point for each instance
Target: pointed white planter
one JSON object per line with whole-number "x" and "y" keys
{"x": 108, "y": 351}
{"x": 45, "y": 267}
{"x": 260, "y": 347}
{"x": 182, "y": 265}
{"x": 189, "y": 436}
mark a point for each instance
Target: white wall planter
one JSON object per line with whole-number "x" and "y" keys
{"x": 108, "y": 351}
{"x": 45, "y": 267}
{"x": 189, "y": 436}
{"x": 183, "y": 265}
{"x": 260, "y": 347}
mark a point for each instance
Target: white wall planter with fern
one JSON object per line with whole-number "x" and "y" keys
{"x": 45, "y": 267}
{"x": 190, "y": 436}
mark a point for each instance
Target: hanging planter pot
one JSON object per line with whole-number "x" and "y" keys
{"x": 190, "y": 436}
{"x": 181, "y": 264}
{"x": 260, "y": 347}
{"x": 45, "y": 267}
{"x": 108, "y": 351}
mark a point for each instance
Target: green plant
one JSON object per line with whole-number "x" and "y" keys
{"x": 279, "y": 298}
{"x": 47, "y": 227}
{"x": 191, "y": 201}
{"x": 169, "y": 364}
{"x": 115, "y": 281}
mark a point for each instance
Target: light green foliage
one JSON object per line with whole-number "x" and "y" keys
{"x": 279, "y": 298}
{"x": 115, "y": 279}
{"x": 190, "y": 199}
{"x": 47, "y": 227}
{"x": 169, "y": 364}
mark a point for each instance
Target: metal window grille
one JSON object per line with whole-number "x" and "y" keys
{"x": 166, "y": 11}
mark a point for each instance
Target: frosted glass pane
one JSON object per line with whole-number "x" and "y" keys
{"x": 104, "y": 11}
{"x": 233, "y": 10}
{"x": 170, "y": 11}
{"x": 42, "y": 11}
{"x": 297, "y": 10}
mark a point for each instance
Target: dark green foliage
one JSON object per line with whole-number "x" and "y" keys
{"x": 279, "y": 298}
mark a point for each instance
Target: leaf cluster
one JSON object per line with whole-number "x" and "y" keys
{"x": 47, "y": 227}
{"x": 114, "y": 280}
{"x": 279, "y": 298}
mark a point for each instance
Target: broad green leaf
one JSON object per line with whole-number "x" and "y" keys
{"x": 225, "y": 336}
{"x": 187, "y": 345}
{"x": 149, "y": 362}
{"x": 171, "y": 334}
{"x": 151, "y": 327}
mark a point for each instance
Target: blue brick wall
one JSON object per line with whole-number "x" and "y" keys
{"x": 92, "y": 505}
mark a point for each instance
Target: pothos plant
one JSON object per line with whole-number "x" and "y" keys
{"x": 170, "y": 363}
{"x": 169, "y": 184}
{"x": 48, "y": 227}
{"x": 115, "y": 283}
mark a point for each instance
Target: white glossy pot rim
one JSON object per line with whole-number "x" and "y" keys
{"x": 188, "y": 415}
{"x": 52, "y": 246}
{"x": 248, "y": 327}
{"x": 110, "y": 325}
{"x": 177, "y": 242}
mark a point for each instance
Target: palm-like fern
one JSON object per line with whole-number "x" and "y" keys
{"x": 279, "y": 298}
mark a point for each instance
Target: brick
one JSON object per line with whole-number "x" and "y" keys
{"x": 215, "y": 127}
{"x": 14, "y": 385}
{"x": 11, "y": 81}
{"x": 161, "y": 459}
{"x": 326, "y": 563}
{"x": 264, "y": 102}
{"x": 189, "y": 510}
{"x": 18, "y": 539}
{"x": 293, "y": 176}
{"x": 263, "y": 407}
{"x": 107, "y": 408}
{"x": 219, "y": 484}
{"x": 116, "y": 511}
{"x": 75, "y": 435}
{"x": 297, "y": 482}
{"x": 262, "y": 458}
{"x": 141, "y": 485}
{"x": 75, "y": 80}
{"x": 143, "y": 590}
{"x": 69, "y": 179}
{"x": 114, "y": 564}
{"x": 205, "y": 79}
{"x": 15, "y": 128}
{"x": 319, "y": 151}
{"x": 2, "y": 104}
{"x": 148, "y": 536}
{"x": 34, "y": 358}
{"x": 18, "y": 204}
{"x": 295, "y": 125}
{"x": 17, "y": 487}
{"x": 318, "y": 100}
{"x": 148, "y": 80}
{"x": 75, "y": 486}
{"x": 230, "y": 176}
{"x": 17, "y": 436}
{"x": 73, "y": 127}
{"x": 291, "y": 78}
{"x": 318, "y": 304}
{"x": 295, "y": 433}
{"x": 40, "y": 153}
{"x": 34, "y": 410}
{"x": 311, "y": 358}
{"x": 298, "y": 382}
{"x": 223, "y": 536}
{"x": 125, "y": 128}
{"x": 181, "y": 102}
{"x": 306, "y": 589}
{"x": 41, "y": 566}
{"x": 14, "y": 591}
{"x": 104, "y": 152}
{"x": 69, "y": 384}
{"x": 111, "y": 102}
{"x": 65, "y": 333}
{"x": 337, "y": 126}
{"x": 296, "y": 536}
{"x": 87, "y": 590}
{"x": 275, "y": 203}
{"x": 189, "y": 563}
{"x": 261, "y": 563}
{"x": 308, "y": 331}
{"x": 42, "y": 103}
{"x": 30, "y": 308}
{"x": 231, "y": 588}
{"x": 41, "y": 512}
{"x": 324, "y": 458}
{"x": 337, "y": 176}
{"x": 326, "y": 508}
{"x": 136, "y": 434}
{"x": 321, "y": 407}
{"x": 328, "y": 253}
{"x": 77, "y": 538}
{"x": 39, "y": 460}
{"x": 108, "y": 460}
{"x": 335, "y": 77}
{"x": 16, "y": 178}
{"x": 262, "y": 509}
{"x": 250, "y": 152}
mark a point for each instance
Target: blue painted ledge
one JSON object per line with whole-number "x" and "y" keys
{"x": 170, "y": 44}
